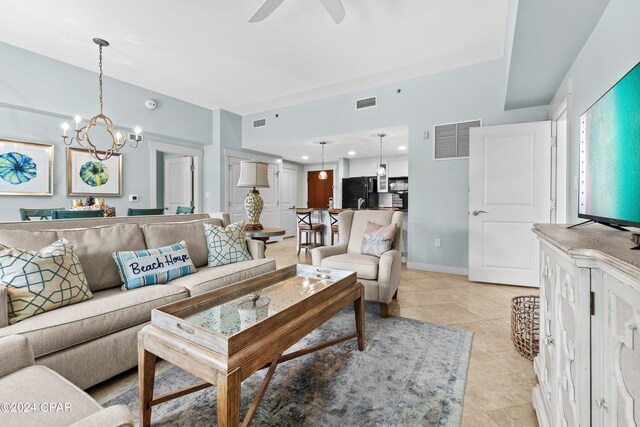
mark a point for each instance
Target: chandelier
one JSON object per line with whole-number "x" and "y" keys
{"x": 82, "y": 133}
{"x": 381, "y": 170}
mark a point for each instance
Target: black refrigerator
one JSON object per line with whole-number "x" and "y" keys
{"x": 364, "y": 187}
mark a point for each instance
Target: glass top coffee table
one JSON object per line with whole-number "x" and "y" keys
{"x": 226, "y": 335}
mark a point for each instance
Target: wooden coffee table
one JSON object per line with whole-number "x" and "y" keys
{"x": 226, "y": 335}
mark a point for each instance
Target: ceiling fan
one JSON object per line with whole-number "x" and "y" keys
{"x": 334, "y": 7}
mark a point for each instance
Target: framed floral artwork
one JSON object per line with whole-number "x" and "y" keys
{"x": 26, "y": 168}
{"x": 87, "y": 176}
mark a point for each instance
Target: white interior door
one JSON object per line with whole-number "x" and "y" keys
{"x": 178, "y": 183}
{"x": 509, "y": 190}
{"x": 288, "y": 179}
{"x": 271, "y": 212}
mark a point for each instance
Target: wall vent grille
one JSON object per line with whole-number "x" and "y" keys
{"x": 366, "y": 103}
{"x": 260, "y": 123}
{"x": 451, "y": 141}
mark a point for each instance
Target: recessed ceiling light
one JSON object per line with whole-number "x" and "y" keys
{"x": 402, "y": 148}
{"x": 279, "y": 160}
{"x": 305, "y": 157}
{"x": 352, "y": 153}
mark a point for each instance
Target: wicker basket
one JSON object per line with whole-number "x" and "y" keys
{"x": 525, "y": 325}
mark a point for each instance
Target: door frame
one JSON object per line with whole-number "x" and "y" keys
{"x": 559, "y": 165}
{"x": 197, "y": 154}
{"x": 317, "y": 166}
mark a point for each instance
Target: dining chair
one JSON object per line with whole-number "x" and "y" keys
{"x": 185, "y": 210}
{"x": 29, "y": 214}
{"x": 310, "y": 229}
{"x": 139, "y": 212}
{"x": 97, "y": 213}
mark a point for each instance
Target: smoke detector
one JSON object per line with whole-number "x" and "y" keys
{"x": 150, "y": 104}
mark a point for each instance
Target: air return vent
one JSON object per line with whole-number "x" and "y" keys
{"x": 452, "y": 140}
{"x": 260, "y": 123}
{"x": 366, "y": 103}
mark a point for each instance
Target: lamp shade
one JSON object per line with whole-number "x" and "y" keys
{"x": 253, "y": 174}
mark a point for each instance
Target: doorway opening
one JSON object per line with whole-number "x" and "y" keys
{"x": 177, "y": 183}
{"x": 319, "y": 191}
{"x": 183, "y": 165}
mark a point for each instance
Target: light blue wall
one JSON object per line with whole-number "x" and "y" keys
{"x": 38, "y": 93}
{"x": 610, "y": 52}
{"x": 440, "y": 202}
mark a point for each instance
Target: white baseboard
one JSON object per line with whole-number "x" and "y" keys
{"x": 462, "y": 271}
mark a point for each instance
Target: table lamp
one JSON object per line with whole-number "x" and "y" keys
{"x": 253, "y": 175}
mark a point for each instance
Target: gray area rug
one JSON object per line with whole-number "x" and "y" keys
{"x": 411, "y": 374}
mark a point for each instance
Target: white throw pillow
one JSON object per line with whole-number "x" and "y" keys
{"x": 226, "y": 245}
{"x": 40, "y": 281}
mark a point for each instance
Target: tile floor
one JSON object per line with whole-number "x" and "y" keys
{"x": 499, "y": 382}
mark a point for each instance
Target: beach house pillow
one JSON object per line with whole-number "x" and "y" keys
{"x": 226, "y": 245}
{"x": 41, "y": 280}
{"x": 153, "y": 266}
{"x": 377, "y": 239}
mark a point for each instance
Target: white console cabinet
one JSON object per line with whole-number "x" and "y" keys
{"x": 588, "y": 367}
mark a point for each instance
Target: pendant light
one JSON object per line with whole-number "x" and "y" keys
{"x": 323, "y": 173}
{"x": 381, "y": 169}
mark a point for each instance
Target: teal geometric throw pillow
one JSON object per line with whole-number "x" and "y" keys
{"x": 153, "y": 266}
{"x": 226, "y": 245}
{"x": 40, "y": 281}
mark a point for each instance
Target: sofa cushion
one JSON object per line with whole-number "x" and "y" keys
{"x": 192, "y": 232}
{"x": 109, "y": 311}
{"x": 40, "y": 386}
{"x": 365, "y": 266}
{"x": 226, "y": 245}
{"x": 210, "y": 278}
{"x": 41, "y": 281}
{"x": 32, "y": 240}
{"x": 94, "y": 247}
{"x": 153, "y": 266}
{"x": 359, "y": 225}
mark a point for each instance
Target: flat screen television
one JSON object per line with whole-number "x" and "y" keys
{"x": 609, "y": 190}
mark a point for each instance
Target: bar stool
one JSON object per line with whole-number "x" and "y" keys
{"x": 333, "y": 217}
{"x": 310, "y": 229}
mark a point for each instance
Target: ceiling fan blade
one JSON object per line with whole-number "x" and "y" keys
{"x": 265, "y": 10}
{"x": 335, "y": 9}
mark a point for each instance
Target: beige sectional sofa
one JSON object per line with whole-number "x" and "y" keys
{"x": 91, "y": 341}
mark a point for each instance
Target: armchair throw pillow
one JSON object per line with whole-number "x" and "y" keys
{"x": 153, "y": 266}
{"x": 40, "y": 281}
{"x": 226, "y": 245}
{"x": 377, "y": 239}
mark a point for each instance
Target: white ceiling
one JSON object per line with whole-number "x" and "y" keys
{"x": 365, "y": 144}
{"x": 205, "y": 51}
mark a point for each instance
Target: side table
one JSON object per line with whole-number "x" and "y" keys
{"x": 264, "y": 234}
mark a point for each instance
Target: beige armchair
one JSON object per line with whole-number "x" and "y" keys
{"x": 380, "y": 276}
{"x": 34, "y": 395}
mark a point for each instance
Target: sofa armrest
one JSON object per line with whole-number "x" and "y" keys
{"x": 318, "y": 254}
{"x": 15, "y": 354}
{"x": 256, "y": 248}
{"x": 223, "y": 216}
{"x": 113, "y": 416}
{"x": 389, "y": 275}
{"x": 4, "y": 307}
